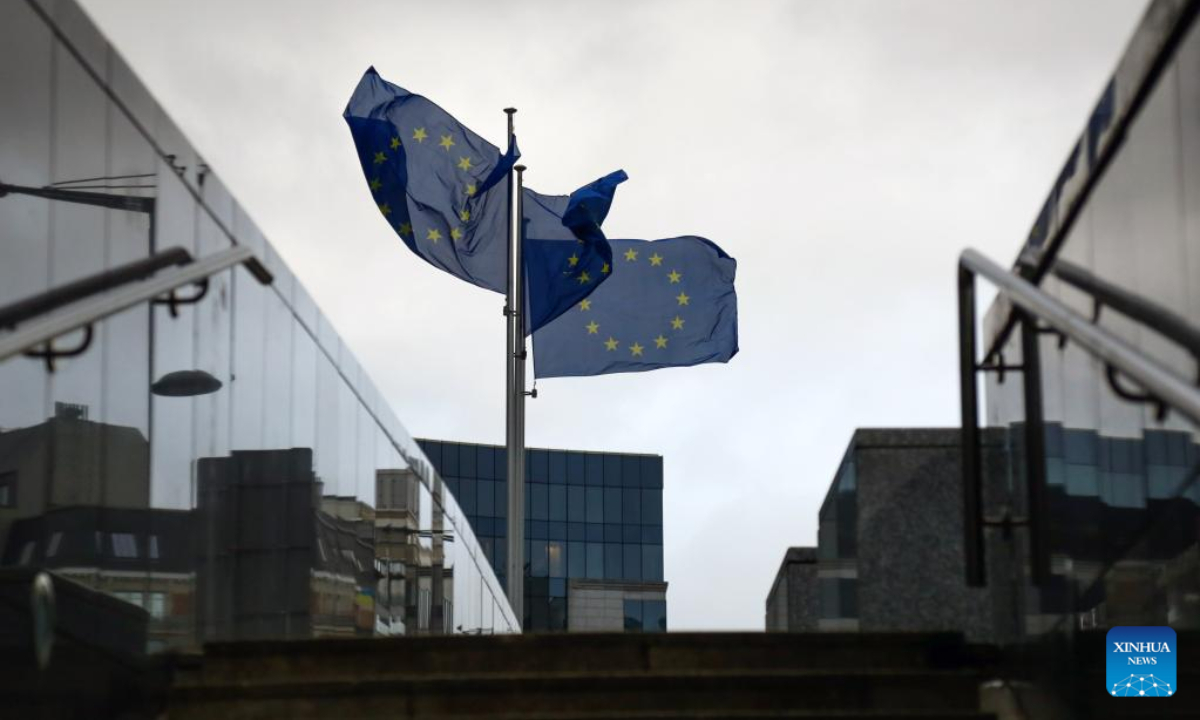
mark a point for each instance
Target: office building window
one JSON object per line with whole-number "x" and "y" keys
{"x": 124, "y": 545}
{"x": 595, "y": 560}
{"x": 633, "y": 616}
{"x": 52, "y": 547}
{"x": 594, "y": 504}
{"x": 652, "y": 563}
{"x": 539, "y": 466}
{"x": 156, "y": 604}
{"x": 557, "y": 460}
{"x": 556, "y": 553}
{"x": 654, "y": 616}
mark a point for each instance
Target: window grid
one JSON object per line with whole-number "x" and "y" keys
{"x": 587, "y": 516}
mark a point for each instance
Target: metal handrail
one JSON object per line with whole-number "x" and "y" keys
{"x": 29, "y": 308}
{"x": 1154, "y": 377}
{"x": 1037, "y": 312}
{"x": 81, "y": 317}
{"x": 1163, "y": 321}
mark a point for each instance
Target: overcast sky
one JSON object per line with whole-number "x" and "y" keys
{"x": 844, "y": 153}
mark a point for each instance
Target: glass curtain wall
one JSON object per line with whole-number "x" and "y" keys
{"x": 1122, "y": 479}
{"x": 289, "y": 501}
{"x": 587, "y": 515}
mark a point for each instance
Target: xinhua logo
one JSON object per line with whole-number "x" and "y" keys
{"x": 1141, "y": 661}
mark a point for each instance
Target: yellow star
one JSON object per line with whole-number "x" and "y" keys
{"x": 395, "y": 143}
{"x": 447, "y": 142}
{"x": 677, "y": 323}
{"x": 631, "y": 254}
{"x": 573, "y": 260}
{"x": 592, "y": 327}
{"x": 464, "y": 163}
{"x": 471, "y": 189}
{"x": 675, "y": 276}
{"x": 380, "y": 158}
{"x": 660, "y": 341}
{"x": 656, "y": 259}
{"x": 385, "y": 209}
{"x": 682, "y": 298}
{"x": 611, "y": 343}
{"x": 585, "y": 305}
{"x": 433, "y": 235}
{"x": 375, "y": 185}
{"x": 405, "y": 228}
{"x": 584, "y": 278}
{"x": 606, "y": 269}
{"x": 636, "y": 349}
{"x": 419, "y": 135}
{"x": 456, "y": 234}
{"x": 464, "y": 215}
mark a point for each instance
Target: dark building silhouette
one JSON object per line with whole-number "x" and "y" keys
{"x": 792, "y": 601}
{"x": 70, "y": 460}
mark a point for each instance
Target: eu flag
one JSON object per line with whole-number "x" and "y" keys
{"x": 566, "y": 255}
{"x": 440, "y": 187}
{"x": 668, "y": 303}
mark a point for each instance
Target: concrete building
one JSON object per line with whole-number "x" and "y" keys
{"x": 792, "y": 604}
{"x": 890, "y": 546}
{"x": 613, "y": 606}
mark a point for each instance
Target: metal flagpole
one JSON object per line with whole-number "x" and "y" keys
{"x": 515, "y": 421}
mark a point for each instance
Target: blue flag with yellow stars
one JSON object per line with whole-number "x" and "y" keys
{"x": 668, "y": 303}
{"x": 579, "y": 258}
{"x": 441, "y": 189}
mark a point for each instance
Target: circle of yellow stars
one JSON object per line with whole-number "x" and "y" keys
{"x": 636, "y": 349}
{"x": 464, "y": 163}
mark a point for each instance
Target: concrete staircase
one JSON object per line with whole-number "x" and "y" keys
{"x": 573, "y": 677}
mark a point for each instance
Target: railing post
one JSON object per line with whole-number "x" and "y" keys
{"x": 971, "y": 464}
{"x": 1035, "y": 448}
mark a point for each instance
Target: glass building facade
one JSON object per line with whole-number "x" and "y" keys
{"x": 588, "y": 516}
{"x": 1123, "y": 501}
{"x": 837, "y": 550}
{"x": 289, "y": 501}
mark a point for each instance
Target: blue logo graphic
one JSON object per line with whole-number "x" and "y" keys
{"x": 1141, "y": 661}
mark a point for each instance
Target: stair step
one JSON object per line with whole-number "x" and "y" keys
{"x": 482, "y": 696}
{"x": 674, "y": 715}
{"x": 542, "y": 654}
{"x": 332, "y": 676}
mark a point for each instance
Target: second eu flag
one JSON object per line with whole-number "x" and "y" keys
{"x": 442, "y": 189}
{"x": 669, "y": 303}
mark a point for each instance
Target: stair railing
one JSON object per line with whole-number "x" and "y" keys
{"x": 1038, "y": 313}
{"x": 82, "y": 315}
